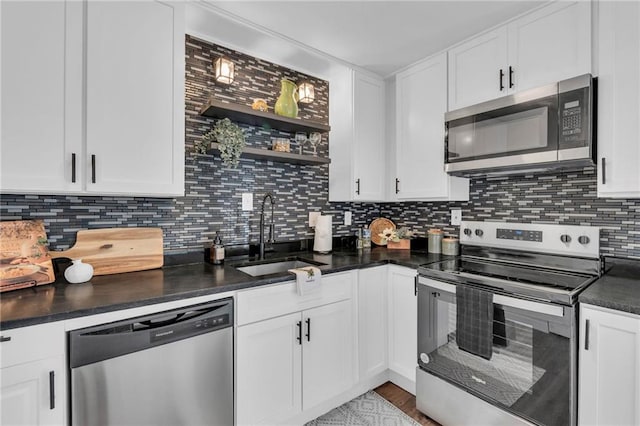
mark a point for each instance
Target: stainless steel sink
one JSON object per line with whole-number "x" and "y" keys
{"x": 276, "y": 266}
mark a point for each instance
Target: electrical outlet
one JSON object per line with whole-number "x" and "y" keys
{"x": 456, "y": 216}
{"x": 247, "y": 201}
{"x": 347, "y": 218}
{"x": 313, "y": 218}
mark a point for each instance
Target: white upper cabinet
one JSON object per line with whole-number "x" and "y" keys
{"x": 357, "y": 141}
{"x": 421, "y": 101}
{"x": 618, "y": 60}
{"x": 38, "y": 60}
{"x": 135, "y": 97}
{"x": 477, "y": 69}
{"x": 93, "y": 98}
{"x": 550, "y": 44}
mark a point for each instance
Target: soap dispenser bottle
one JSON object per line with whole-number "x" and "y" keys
{"x": 217, "y": 251}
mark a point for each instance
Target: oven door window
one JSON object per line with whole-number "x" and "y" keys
{"x": 529, "y": 370}
{"x": 520, "y": 129}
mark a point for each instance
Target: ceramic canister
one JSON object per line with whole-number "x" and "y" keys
{"x": 78, "y": 272}
{"x": 435, "y": 239}
{"x": 450, "y": 246}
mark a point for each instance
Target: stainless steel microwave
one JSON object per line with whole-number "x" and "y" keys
{"x": 541, "y": 129}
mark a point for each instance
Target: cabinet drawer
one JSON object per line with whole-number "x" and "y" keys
{"x": 31, "y": 343}
{"x": 280, "y": 299}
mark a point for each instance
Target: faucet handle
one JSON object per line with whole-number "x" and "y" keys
{"x": 271, "y": 238}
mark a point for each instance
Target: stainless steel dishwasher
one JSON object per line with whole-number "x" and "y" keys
{"x": 171, "y": 368}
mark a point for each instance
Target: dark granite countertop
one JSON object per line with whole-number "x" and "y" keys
{"x": 618, "y": 288}
{"x": 106, "y": 293}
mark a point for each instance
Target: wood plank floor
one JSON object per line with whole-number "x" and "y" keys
{"x": 405, "y": 402}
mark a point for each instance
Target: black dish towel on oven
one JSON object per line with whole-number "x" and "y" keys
{"x": 474, "y": 320}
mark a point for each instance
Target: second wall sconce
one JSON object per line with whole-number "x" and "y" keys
{"x": 305, "y": 92}
{"x": 224, "y": 70}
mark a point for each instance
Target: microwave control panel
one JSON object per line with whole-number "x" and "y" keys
{"x": 571, "y": 118}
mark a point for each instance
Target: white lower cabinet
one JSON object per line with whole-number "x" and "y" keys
{"x": 33, "y": 376}
{"x": 609, "y": 366}
{"x": 293, "y": 362}
{"x": 372, "y": 321}
{"x": 403, "y": 327}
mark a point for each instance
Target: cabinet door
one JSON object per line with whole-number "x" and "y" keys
{"x": 550, "y": 44}
{"x": 372, "y": 321}
{"x": 268, "y": 371}
{"x": 26, "y": 396}
{"x": 403, "y": 325}
{"x": 368, "y": 146}
{"x": 609, "y": 383}
{"x": 39, "y": 119}
{"x": 421, "y": 101}
{"x": 619, "y": 100}
{"x": 328, "y": 363}
{"x": 135, "y": 98}
{"x": 475, "y": 68}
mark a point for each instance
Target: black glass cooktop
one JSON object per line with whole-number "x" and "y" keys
{"x": 526, "y": 280}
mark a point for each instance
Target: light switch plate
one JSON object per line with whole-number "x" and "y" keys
{"x": 347, "y": 218}
{"x": 247, "y": 201}
{"x": 313, "y": 218}
{"x": 456, "y": 216}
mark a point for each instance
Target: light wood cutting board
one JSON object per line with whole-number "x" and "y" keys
{"x": 117, "y": 250}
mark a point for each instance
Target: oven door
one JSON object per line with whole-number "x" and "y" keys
{"x": 532, "y": 371}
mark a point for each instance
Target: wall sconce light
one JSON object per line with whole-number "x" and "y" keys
{"x": 305, "y": 92}
{"x": 225, "y": 70}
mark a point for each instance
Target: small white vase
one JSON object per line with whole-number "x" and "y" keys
{"x": 78, "y": 272}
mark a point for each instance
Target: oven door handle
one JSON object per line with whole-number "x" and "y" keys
{"x": 525, "y": 305}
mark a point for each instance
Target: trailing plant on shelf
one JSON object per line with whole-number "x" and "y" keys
{"x": 230, "y": 138}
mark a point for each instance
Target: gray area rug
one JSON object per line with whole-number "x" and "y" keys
{"x": 369, "y": 409}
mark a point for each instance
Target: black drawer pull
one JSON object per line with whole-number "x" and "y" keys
{"x": 299, "y": 338}
{"x": 308, "y": 321}
{"x": 5, "y": 338}
{"x": 52, "y": 390}
{"x": 586, "y": 335}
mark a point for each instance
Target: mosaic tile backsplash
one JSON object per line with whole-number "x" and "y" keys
{"x": 213, "y": 192}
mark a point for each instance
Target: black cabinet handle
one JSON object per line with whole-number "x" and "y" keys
{"x": 299, "y": 338}
{"x": 510, "y": 77}
{"x": 501, "y": 77}
{"x": 73, "y": 167}
{"x": 586, "y": 335}
{"x": 358, "y": 186}
{"x": 52, "y": 390}
{"x": 604, "y": 170}
{"x": 93, "y": 168}
{"x": 397, "y": 185}
{"x": 5, "y": 338}
{"x": 308, "y": 321}
{"x": 415, "y": 286}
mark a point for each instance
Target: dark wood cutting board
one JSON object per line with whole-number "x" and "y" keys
{"x": 117, "y": 250}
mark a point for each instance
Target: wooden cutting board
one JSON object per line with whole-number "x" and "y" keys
{"x": 117, "y": 250}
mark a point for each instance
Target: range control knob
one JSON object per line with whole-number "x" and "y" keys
{"x": 565, "y": 238}
{"x": 479, "y": 232}
{"x": 467, "y": 232}
{"x": 583, "y": 239}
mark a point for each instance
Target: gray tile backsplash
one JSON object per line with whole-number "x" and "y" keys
{"x": 212, "y": 200}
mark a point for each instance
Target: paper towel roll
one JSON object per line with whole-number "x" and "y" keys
{"x": 324, "y": 234}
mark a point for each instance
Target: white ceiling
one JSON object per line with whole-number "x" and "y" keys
{"x": 381, "y": 36}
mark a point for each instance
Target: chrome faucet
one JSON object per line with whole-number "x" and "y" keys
{"x": 270, "y": 240}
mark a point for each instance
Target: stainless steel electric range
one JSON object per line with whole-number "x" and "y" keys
{"x": 497, "y": 325}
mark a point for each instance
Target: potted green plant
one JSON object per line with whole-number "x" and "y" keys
{"x": 230, "y": 138}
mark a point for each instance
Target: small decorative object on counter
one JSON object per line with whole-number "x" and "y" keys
{"x": 287, "y": 104}
{"x": 450, "y": 246}
{"x": 359, "y": 240}
{"x": 217, "y": 251}
{"x": 366, "y": 237}
{"x": 435, "y": 240}
{"x": 397, "y": 239}
{"x": 281, "y": 145}
{"x": 78, "y": 272}
{"x": 260, "y": 105}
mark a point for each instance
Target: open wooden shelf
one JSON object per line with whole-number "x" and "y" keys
{"x": 247, "y": 115}
{"x": 277, "y": 156}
